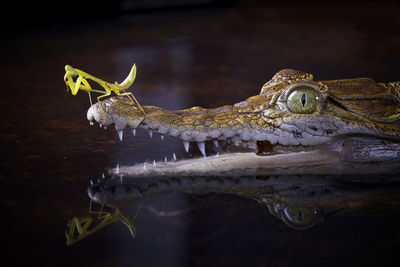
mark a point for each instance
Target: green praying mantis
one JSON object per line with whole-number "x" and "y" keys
{"x": 78, "y": 228}
{"x": 82, "y": 84}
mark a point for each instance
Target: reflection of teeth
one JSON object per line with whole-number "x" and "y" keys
{"x": 202, "y": 148}
{"x": 186, "y": 145}
{"x": 215, "y": 141}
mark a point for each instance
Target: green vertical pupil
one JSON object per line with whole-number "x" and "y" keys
{"x": 303, "y": 99}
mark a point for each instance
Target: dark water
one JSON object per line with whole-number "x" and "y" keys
{"x": 207, "y": 57}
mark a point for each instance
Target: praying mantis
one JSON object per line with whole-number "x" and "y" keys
{"x": 82, "y": 84}
{"x": 78, "y": 228}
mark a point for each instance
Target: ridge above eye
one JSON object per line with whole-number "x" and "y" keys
{"x": 303, "y": 100}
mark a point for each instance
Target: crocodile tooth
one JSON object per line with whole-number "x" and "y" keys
{"x": 103, "y": 176}
{"x": 165, "y": 159}
{"x": 215, "y": 141}
{"x": 134, "y": 132}
{"x": 154, "y": 162}
{"x": 162, "y": 137}
{"x": 120, "y": 133}
{"x": 101, "y": 125}
{"x": 105, "y": 127}
{"x": 144, "y": 166}
{"x": 202, "y": 148}
{"x": 186, "y": 145}
{"x": 91, "y": 182}
{"x": 173, "y": 157}
{"x": 151, "y": 133}
{"x": 117, "y": 168}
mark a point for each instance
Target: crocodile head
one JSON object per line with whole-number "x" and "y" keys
{"x": 351, "y": 120}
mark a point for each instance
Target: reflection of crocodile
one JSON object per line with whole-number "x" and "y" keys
{"x": 351, "y": 121}
{"x": 300, "y": 201}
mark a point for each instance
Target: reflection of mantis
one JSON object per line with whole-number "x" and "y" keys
{"x": 82, "y": 84}
{"x": 81, "y": 225}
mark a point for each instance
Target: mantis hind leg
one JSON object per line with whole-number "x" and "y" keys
{"x": 133, "y": 98}
{"x": 101, "y": 214}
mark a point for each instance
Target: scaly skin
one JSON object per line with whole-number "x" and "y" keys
{"x": 346, "y": 107}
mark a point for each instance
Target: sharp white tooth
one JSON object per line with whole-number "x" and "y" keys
{"x": 215, "y": 141}
{"x": 186, "y": 145}
{"x": 165, "y": 159}
{"x": 134, "y": 132}
{"x": 103, "y": 176}
{"x": 91, "y": 123}
{"x": 105, "y": 127}
{"x": 154, "y": 162}
{"x": 117, "y": 169}
{"x": 202, "y": 148}
{"x": 151, "y": 133}
{"x": 144, "y": 166}
{"x": 101, "y": 125}
{"x": 162, "y": 137}
{"x": 120, "y": 133}
{"x": 91, "y": 182}
{"x": 174, "y": 157}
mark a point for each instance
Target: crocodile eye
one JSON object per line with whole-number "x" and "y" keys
{"x": 303, "y": 100}
{"x": 300, "y": 218}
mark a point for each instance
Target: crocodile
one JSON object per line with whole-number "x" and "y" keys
{"x": 294, "y": 121}
{"x": 303, "y": 142}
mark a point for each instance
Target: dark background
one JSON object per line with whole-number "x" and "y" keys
{"x": 206, "y": 53}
